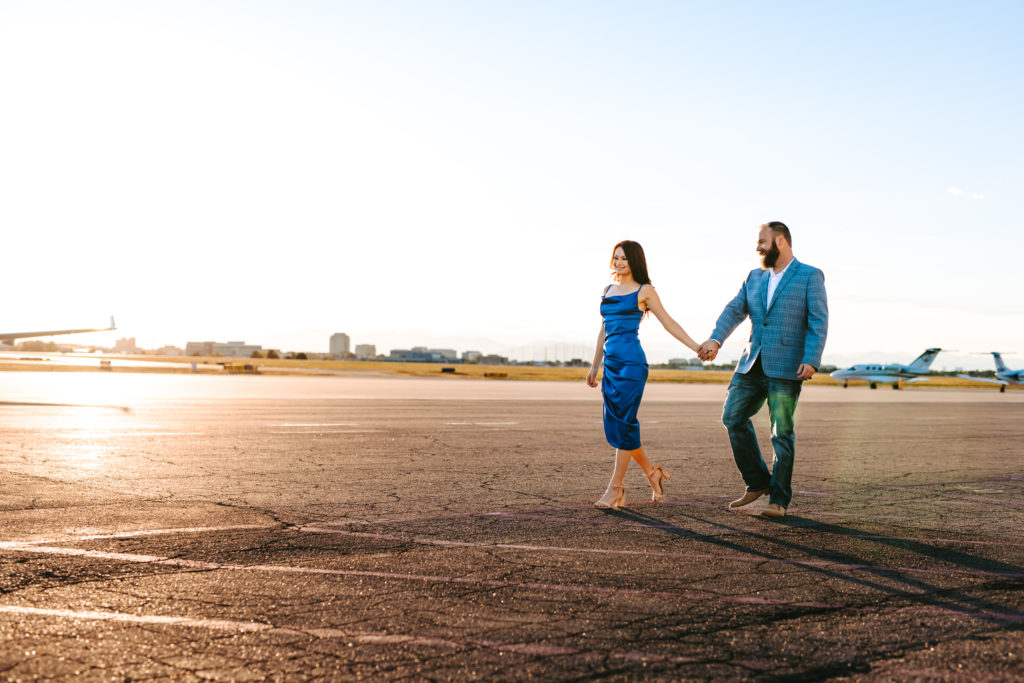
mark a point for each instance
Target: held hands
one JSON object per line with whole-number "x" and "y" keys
{"x": 708, "y": 350}
{"x": 805, "y": 371}
{"x": 592, "y": 377}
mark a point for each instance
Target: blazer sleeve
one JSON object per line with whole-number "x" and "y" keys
{"x": 817, "y": 320}
{"x": 734, "y": 313}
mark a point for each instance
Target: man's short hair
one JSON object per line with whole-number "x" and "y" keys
{"x": 779, "y": 228}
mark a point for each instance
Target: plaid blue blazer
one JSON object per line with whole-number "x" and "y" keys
{"x": 789, "y": 331}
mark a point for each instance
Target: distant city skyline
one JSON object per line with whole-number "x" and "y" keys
{"x": 455, "y": 174}
{"x": 948, "y": 359}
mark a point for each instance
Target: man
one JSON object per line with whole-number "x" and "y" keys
{"x": 785, "y": 301}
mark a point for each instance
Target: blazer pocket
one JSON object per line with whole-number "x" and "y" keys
{"x": 787, "y": 341}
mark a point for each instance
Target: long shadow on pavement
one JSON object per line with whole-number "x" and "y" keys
{"x": 914, "y": 590}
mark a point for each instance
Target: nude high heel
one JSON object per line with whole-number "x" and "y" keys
{"x": 656, "y": 476}
{"x": 620, "y": 498}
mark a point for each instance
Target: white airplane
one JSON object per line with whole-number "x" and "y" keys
{"x": 1004, "y": 375}
{"x": 894, "y": 374}
{"x": 12, "y": 336}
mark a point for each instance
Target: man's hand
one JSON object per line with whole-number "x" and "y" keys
{"x": 805, "y": 371}
{"x": 708, "y": 350}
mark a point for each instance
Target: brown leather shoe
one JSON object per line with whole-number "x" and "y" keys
{"x": 748, "y": 498}
{"x": 773, "y": 511}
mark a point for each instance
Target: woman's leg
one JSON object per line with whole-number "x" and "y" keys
{"x": 640, "y": 455}
{"x": 622, "y": 458}
{"x": 655, "y": 475}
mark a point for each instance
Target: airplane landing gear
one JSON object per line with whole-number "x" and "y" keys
{"x": 1002, "y": 389}
{"x": 845, "y": 384}
{"x": 874, "y": 385}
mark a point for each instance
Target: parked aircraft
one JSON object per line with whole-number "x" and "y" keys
{"x": 11, "y": 336}
{"x": 893, "y": 373}
{"x": 1004, "y": 375}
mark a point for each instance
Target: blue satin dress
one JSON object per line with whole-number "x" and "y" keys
{"x": 625, "y": 370}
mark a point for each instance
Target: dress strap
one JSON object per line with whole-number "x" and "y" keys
{"x": 605, "y": 292}
{"x": 645, "y": 309}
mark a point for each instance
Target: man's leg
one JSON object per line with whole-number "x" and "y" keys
{"x": 782, "y": 398}
{"x": 747, "y": 394}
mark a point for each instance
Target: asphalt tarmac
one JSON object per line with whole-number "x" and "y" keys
{"x": 251, "y": 528}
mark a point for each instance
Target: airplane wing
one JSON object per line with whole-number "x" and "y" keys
{"x": 11, "y": 336}
{"x": 982, "y": 379}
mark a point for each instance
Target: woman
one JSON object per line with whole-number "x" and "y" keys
{"x": 624, "y": 303}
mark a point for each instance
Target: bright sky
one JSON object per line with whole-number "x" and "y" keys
{"x": 455, "y": 173}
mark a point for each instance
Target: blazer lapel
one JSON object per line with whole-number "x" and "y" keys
{"x": 765, "y": 275}
{"x": 790, "y": 273}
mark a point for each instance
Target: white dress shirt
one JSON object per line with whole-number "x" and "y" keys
{"x": 774, "y": 279}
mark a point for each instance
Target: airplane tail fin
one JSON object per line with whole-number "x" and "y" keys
{"x": 1000, "y": 365}
{"x": 924, "y": 361}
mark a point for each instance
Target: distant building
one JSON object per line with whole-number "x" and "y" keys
{"x": 199, "y": 348}
{"x": 450, "y": 354}
{"x": 340, "y": 344}
{"x": 364, "y": 351}
{"x": 126, "y": 345}
{"x": 471, "y": 356}
{"x": 169, "y": 351}
{"x": 419, "y": 354}
{"x": 493, "y": 359}
{"x": 234, "y": 349}
{"x": 686, "y": 363}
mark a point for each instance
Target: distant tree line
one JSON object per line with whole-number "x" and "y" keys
{"x": 272, "y": 354}
{"x": 37, "y": 346}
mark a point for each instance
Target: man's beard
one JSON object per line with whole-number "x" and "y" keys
{"x": 768, "y": 258}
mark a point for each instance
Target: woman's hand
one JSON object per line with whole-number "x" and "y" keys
{"x": 592, "y": 377}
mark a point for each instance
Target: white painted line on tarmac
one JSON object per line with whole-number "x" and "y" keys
{"x": 98, "y": 554}
{"x": 143, "y": 532}
{"x": 362, "y": 637}
{"x": 108, "y": 434}
{"x": 316, "y": 424}
{"x": 546, "y": 514}
{"x": 546, "y": 587}
{"x": 806, "y": 564}
{"x": 217, "y": 624}
{"x": 328, "y": 431}
{"x": 422, "y": 578}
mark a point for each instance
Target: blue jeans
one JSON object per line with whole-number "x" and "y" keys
{"x": 747, "y": 393}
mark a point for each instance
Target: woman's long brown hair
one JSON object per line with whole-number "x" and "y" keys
{"x": 636, "y": 259}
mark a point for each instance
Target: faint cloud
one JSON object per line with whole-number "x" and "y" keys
{"x": 964, "y": 193}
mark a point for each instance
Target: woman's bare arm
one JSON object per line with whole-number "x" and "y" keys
{"x": 649, "y": 300}
{"x": 598, "y": 357}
